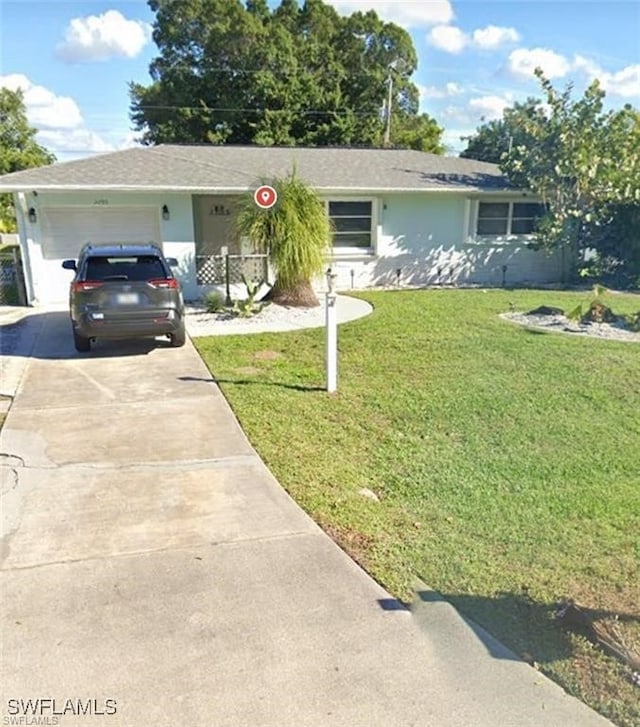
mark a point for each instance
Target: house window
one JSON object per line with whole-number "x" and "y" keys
{"x": 352, "y": 224}
{"x": 508, "y": 218}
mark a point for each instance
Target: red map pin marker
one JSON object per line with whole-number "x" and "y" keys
{"x": 265, "y": 196}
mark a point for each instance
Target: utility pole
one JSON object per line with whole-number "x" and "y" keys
{"x": 387, "y": 130}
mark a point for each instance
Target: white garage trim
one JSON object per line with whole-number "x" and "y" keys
{"x": 66, "y": 229}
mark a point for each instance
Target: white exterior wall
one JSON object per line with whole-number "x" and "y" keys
{"x": 48, "y": 282}
{"x": 430, "y": 239}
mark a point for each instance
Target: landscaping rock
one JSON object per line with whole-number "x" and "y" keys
{"x": 599, "y": 313}
{"x": 370, "y": 494}
{"x": 546, "y": 310}
{"x": 612, "y": 331}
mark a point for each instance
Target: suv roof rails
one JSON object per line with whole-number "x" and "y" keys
{"x": 151, "y": 243}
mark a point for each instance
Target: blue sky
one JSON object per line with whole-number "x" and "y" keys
{"x": 74, "y": 59}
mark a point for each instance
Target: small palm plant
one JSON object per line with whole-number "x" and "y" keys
{"x": 296, "y": 234}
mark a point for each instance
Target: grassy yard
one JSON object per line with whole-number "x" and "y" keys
{"x": 507, "y": 463}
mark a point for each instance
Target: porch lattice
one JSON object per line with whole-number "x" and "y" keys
{"x": 211, "y": 269}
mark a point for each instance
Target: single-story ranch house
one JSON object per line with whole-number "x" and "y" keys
{"x": 401, "y": 217}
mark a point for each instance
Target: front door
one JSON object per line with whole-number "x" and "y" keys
{"x": 213, "y": 216}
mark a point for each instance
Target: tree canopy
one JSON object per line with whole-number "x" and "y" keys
{"x": 581, "y": 160}
{"x": 574, "y": 154}
{"x": 570, "y": 152}
{"x": 497, "y": 137}
{"x": 18, "y": 148}
{"x": 241, "y": 73}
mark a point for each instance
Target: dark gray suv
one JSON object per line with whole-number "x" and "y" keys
{"x": 124, "y": 291}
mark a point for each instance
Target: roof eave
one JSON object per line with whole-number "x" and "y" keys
{"x": 112, "y": 188}
{"x": 419, "y": 190}
{"x": 239, "y": 190}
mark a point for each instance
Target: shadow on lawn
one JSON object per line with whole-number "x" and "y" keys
{"x": 513, "y": 625}
{"x": 535, "y": 332}
{"x": 247, "y": 382}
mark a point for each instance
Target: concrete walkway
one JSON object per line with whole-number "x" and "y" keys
{"x": 149, "y": 558}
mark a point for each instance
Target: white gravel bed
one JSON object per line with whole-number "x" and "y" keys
{"x": 272, "y": 318}
{"x": 561, "y": 324}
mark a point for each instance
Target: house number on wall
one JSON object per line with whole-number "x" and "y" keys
{"x": 101, "y": 201}
{"x": 219, "y": 209}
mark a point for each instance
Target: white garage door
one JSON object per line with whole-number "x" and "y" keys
{"x": 64, "y": 230}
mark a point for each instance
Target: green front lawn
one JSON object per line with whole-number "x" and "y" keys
{"x": 506, "y": 461}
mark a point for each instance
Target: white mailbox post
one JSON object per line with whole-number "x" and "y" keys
{"x": 331, "y": 333}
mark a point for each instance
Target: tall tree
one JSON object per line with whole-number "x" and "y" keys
{"x": 18, "y": 148}
{"x": 494, "y": 139}
{"x": 578, "y": 158}
{"x": 229, "y": 72}
{"x": 583, "y": 162}
{"x": 420, "y": 132}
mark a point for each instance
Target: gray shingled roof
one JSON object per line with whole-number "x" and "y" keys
{"x": 234, "y": 168}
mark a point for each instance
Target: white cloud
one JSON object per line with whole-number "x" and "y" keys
{"x": 477, "y": 110}
{"x": 493, "y": 37}
{"x": 448, "y": 38}
{"x": 489, "y": 107}
{"x": 58, "y": 121}
{"x": 450, "y": 89}
{"x": 523, "y": 62}
{"x": 44, "y": 108}
{"x": 408, "y": 13}
{"x": 76, "y": 141}
{"x": 100, "y": 37}
{"x": 624, "y": 83}
{"x": 590, "y": 68}
{"x": 128, "y": 140}
{"x": 451, "y": 138}
{"x": 451, "y": 39}
{"x": 458, "y": 114}
{"x": 82, "y": 142}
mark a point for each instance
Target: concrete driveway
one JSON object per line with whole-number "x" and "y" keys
{"x": 154, "y": 573}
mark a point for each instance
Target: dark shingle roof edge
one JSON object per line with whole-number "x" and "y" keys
{"x": 191, "y": 168}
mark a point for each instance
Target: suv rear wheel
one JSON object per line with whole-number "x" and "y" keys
{"x": 179, "y": 338}
{"x": 81, "y": 343}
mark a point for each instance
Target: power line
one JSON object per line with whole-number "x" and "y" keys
{"x": 300, "y": 68}
{"x": 306, "y": 112}
{"x": 197, "y": 73}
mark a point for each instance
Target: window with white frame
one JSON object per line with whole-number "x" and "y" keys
{"x": 352, "y": 224}
{"x": 496, "y": 219}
